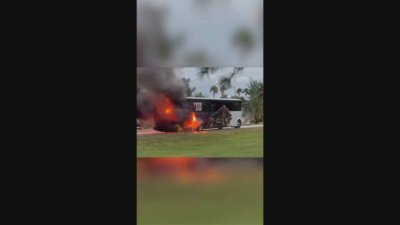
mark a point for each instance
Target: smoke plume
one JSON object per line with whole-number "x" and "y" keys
{"x": 154, "y": 85}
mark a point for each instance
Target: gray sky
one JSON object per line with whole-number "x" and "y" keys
{"x": 241, "y": 81}
{"x": 210, "y": 27}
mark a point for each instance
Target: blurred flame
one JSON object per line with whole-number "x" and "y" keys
{"x": 181, "y": 169}
{"x": 212, "y": 175}
{"x": 192, "y": 123}
{"x": 166, "y": 109}
{"x": 200, "y": 132}
{"x": 186, "y": 176}
{"x": 178, "y": 163}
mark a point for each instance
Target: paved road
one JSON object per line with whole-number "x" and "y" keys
{"x": 151, "y": 131}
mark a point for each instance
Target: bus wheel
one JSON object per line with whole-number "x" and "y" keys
{"x": 220, "y": 127}
{"x": 239, "y": 123}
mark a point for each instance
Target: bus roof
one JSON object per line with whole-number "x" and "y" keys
{"x": 215, "y": 99}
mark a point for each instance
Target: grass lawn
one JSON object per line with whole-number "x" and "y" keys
{"x": 238, "y": 201}
{"x": 215, "y": 143}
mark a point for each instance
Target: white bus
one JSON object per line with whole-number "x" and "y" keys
{"x": 205, "y": 109}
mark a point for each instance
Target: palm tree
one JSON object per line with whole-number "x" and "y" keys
{"x": 255, "y": 90}
{"x": 214, "y": 90}
{"x": 222, "y": 89}
{"x": 227, "y": 79}
{"x": 245, "y": 91}
{"x": 239, "y": 91}
{"x": 244, "y": 39}
{"x": 224, "y": 81}
{"x": 204, "y": 72}
{"x": 200, "y": 94}
{"x": 255, "y": 106}
{"x": 189, "y": 90}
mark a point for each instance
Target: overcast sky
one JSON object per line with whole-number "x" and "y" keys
{"x": 210, "y": 27}
{"x": 241, "y": 81}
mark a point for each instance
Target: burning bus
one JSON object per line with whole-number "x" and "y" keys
{"x": 202, "y": 113}
{"x": 217, "y": 113}
{"x": 161, "y": 96}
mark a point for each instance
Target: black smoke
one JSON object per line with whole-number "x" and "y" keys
{"x": 153, "y": 84}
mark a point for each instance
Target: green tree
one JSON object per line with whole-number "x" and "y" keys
{"x": 200, "y": 95}
{"x": 255, "y": 103}
{"x": 214, "y": 90}
{"x": 245, "y": 91}
{"x": 238, "y": 97}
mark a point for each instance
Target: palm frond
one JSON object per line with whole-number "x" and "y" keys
{"x": 237, "y": 70}
{"x": 225, "y": 81}
{"x": 223, "y": 88}
{"x": 244, "y": 39}
{"x": 204, "y": 72}
{"x": 214, "y": 89}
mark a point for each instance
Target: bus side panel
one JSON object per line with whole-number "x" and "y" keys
{"x": 236, "y": 115}
{"x": 209, "y": 107}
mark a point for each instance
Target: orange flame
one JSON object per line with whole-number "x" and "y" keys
{"x": 166, "y": 109}
{"x": 174, "y": 162}
{"x": 192, "y": 123}
{"x": 182, "y": 169}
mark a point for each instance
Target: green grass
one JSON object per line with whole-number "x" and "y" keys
{"x": 215, "y": 143}
{"x": 238, "y": 201}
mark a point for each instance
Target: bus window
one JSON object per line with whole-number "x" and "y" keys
{"x": 207, "y": 107}
{"x": 233, "y": 105}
